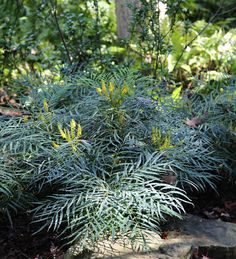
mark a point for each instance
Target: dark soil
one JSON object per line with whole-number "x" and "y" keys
{"x": 213, "y": 205}
{"x": 19, "y": 242}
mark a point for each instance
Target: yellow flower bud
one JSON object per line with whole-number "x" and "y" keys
{"x": 26, "y": 118}
{"x": 63, "y": 135}
{"x": 45, "y": 105}
{"x": 55, "y": 145}
{"x": 79, "y": 131}
{"x": 104, "y": 89}
{"x": 72, "y": 128}
{"x": 125, "y": 90}
{"x": 68, "y": 137}
{"x": 111, "y": 87}
{"x": 99, "y": 90}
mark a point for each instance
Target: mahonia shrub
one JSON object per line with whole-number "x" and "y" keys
{"x": 98, "y": 157}
{"x": 218, "y": 111}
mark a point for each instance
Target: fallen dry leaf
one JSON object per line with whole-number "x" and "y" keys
{"x": 13, "y": 112}
{"x": 194, "y": 122}
{"x": 164, "y": 235}
{"x": 13, "y": 103}
{"x": 170, "y": 179}
{"x": 6, "y": 99}
{"x": 218, "y": 210}
{"x": 225, "y": 217}
{"x": 210, "y": 215}
{"x": 230, "y": 205}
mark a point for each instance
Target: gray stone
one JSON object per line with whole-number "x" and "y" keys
{"x": 195, "y": 235}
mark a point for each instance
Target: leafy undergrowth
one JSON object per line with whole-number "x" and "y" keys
{"x": 110, "y": 156}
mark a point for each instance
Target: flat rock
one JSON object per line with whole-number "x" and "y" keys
{"x": 195, "y": 237}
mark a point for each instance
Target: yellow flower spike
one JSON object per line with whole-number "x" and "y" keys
{"x": 72, "y": 128}
{"x": 79, "y": 131}
{"x": 111, "y": 88}
{"x": 156, "y": 136}
{"x": 167, "y": 142}
{"x": 55, "y": 145}
{"x": 104, "y": 89}
{"x": 125, "y": 89}
{"x": 99, "y": 90}
{"x": 63, "y": 134}
{"x": 68, "y": 136}
{"x": 45, "y": 105}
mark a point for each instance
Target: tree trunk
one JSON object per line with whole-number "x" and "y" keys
{"x": 124, "y": 17}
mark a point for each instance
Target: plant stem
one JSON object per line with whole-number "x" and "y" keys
{"x": 54, "y": 15}
{"x": 199, "y": 33}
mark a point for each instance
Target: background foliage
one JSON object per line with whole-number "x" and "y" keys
{"x": 54, "y": 38}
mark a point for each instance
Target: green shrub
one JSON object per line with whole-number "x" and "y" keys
{"x": 51, "y": 36}
{"x": 210, "y": 56}
{"x": 172, "y": 44}
{"x": 219, "y": 110}
{"x": 102, "y": 159}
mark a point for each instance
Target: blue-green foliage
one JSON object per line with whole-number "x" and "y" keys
{"x": 100, "y": 158}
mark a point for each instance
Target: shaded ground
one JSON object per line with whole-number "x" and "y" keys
{"x": 212, "y": 205}
{"x": 18, "y": 242}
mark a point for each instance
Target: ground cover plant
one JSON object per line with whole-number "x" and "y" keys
{"x": 102, "y": 156}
